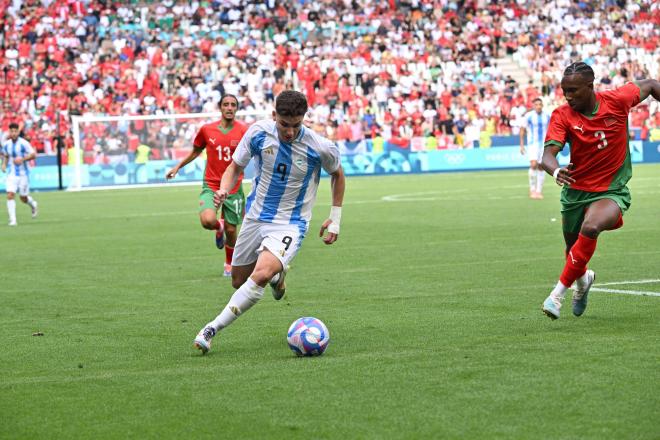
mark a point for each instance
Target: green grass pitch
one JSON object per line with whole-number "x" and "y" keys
{"x": 432, "y": 296}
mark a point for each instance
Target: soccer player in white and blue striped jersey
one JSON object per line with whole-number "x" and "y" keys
{"x": 16, "y": 152}
{"x": 288, "y": 159}
{"x": 535, "y": 126}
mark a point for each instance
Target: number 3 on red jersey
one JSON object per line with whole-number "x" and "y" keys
{"x": 601, "y": 134}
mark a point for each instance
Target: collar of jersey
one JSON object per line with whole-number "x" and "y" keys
{"x": 223, "y": 129}
{"x": 594, "y": 111}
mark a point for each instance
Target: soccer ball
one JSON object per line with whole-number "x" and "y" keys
{"x": 308, "y": 337}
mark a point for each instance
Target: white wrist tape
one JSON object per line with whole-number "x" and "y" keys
{"x": 335, "y": 218}
{"x": 555, "y": 174}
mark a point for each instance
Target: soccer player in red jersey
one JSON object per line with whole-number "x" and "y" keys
{"x": 594, "y": 194}
{"x": 220, "y": 140}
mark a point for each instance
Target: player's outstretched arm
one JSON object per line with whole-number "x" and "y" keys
{"x": 192, "y": 156}
{"x": 337, "y": 186}
{"x": 229, "y": 179}
{"x": 648, "y": 87}
{"x": 549, "y": 163}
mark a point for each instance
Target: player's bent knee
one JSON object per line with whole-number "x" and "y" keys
{"x": 208, "y": 224}
{"x": 591, "y": 229}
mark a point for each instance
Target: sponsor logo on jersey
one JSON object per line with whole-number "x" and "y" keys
{"x": 268, "y": 150}
{"x": 610, "y": 121}
{"x": 212, "y": 140}
{"x": 579, "y": 128}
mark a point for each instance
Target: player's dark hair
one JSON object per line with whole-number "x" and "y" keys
{"x": 290, "y": 103}
{"x": 228, "y": 95}
{"x": 580, "y": 68}
{"x": 13, "y": 125}
{"x": 538, "y": 100}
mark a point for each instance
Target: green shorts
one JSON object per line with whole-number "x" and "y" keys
{"x": 232, "y": 209}
{"x": 574, "y": 204}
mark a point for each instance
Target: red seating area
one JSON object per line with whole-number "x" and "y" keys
{"x": 394, "y": 69}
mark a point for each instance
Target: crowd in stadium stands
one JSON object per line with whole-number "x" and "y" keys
{"x": 386, "y": 71}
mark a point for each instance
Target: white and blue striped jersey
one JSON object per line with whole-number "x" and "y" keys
{"x": 13, "y": 149}
{"x": 287, "y": 175}
{"x": 536, "y": 125}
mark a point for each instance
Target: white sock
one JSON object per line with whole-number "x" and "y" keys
{"x": 240, "y": 302}
{"x": 540, "y": 177}
{"x": 558, "y": 292}
{"x": 11, "y": 209}
{"x": 532, "y": 179}
{"x": 31, "y": 202}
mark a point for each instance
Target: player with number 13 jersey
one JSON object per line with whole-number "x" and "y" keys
{"x": 220, "y": 144}
{"x": 219, "y": 139}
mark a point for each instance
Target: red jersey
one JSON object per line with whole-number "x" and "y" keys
{"x": 599, "y": 141}
{"x": 220, "y": 147}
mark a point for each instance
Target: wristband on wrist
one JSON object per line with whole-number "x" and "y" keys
{"x": 555, "y": 174}
{"x": 335, "y": 218}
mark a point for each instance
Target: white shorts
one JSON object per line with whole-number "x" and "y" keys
{"x": 18, "y": 184}
{"x": 283, "y": 241}
{"x": 534, "y": 152}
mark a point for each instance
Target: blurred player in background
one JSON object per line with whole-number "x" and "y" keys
{"x": 288, "y": 160}
{"x": 16, "y": 152}
{"x": 594, "y": 194}
{"x": 535, "y": 127}
{"x": 220, "y": 140}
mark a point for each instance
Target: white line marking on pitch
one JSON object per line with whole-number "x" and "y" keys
{"x": 616, "y": 283}
{"x": 627, "y": 292}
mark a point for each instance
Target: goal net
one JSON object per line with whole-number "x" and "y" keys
{"x": 111, "y": 151}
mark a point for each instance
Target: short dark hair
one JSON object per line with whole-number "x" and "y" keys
{"x": 13, "y": 125}
{"x": 580, "y": 68}
{"x": 291, "y": 103}
{"x": 228, "y": 95}
{"x": 537, "y": 99}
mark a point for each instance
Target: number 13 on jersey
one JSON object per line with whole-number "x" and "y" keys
{"x": 224, "y": 153}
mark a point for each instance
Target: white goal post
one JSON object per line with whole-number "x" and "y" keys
{"x": 136, "y": 150}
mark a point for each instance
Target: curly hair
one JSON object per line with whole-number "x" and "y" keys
{"x": 290, "y": 103}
